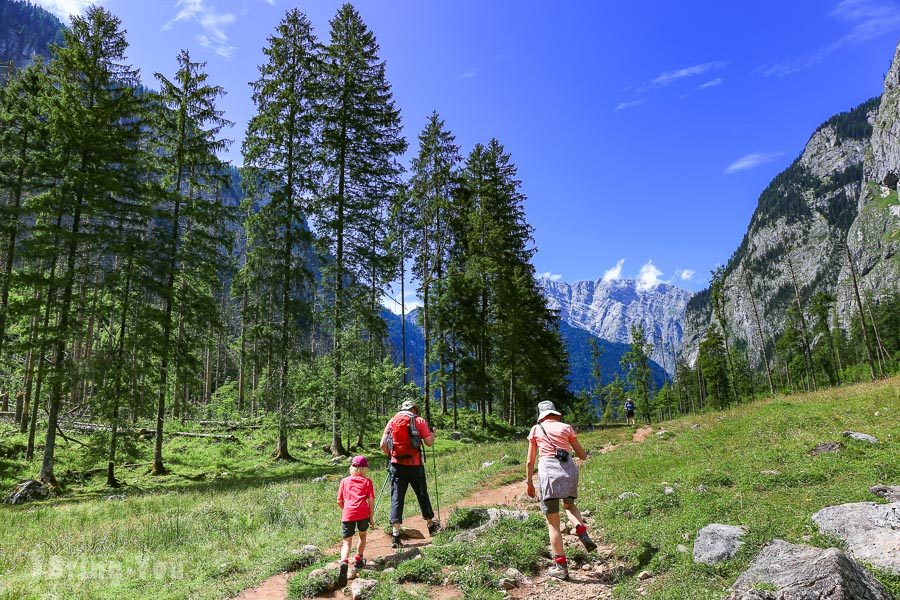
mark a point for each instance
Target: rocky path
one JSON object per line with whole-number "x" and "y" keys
{"x": 590, "y": 580}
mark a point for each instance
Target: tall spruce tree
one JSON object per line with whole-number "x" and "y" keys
{"x": 432, "y": 183}
{"x": 281, "y": 163}
{"x": 95, "y": 128}
{"x": 361, "y": 145}
{"x": 188, "y": 132}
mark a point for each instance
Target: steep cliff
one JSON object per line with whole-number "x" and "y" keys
{"x": 26, "y": 30}
{"x": 841, "y": 191}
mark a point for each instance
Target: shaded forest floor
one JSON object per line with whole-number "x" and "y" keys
{"x": 228, "y": 518}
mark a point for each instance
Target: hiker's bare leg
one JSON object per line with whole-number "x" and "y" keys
{"x": 574, "y": 513}
{"x": 556, "y": 540}
{"x": 361, "y": 549}
{"x": 345, "y": 548}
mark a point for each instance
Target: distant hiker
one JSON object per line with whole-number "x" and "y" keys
{"x": 629, "y": 411}
{"x": 356, "y": 497}
{"x": 402, "y": 441}
{"x": 552, "y": 441}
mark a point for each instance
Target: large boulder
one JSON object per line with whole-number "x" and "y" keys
{"x": 28, "y": 491}
{"x": 717, "y": 542}
{"x": 871, "y": 531}
{"x": 806, "y": 573}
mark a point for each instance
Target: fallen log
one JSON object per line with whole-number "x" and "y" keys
{"x": 226, "y": 437}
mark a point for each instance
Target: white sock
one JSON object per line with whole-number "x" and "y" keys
{"x": 396, "y": 530}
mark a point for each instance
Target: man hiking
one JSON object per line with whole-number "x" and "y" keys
{"x": 629, "y": 411}
{"x": 403, "y": 441}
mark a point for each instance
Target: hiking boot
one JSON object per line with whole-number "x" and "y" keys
{"x": 559, "y": 571}
{"x": 434, "y": 528}
{"x": 359, "y": 563}
{"x": 342, "y": 575}
{"x": 589, "y": 544}
{"x": 395, "y": 540}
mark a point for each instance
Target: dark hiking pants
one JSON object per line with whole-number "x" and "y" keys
{"x": 403, "y": 477}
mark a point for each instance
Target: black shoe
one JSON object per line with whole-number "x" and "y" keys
{"x": 359, "y": 564}
{"x": 434, "y": 528}
{"x": 395, "y": 540}
{"x": 342, "y": 575}
{"x": 589, "y": 544}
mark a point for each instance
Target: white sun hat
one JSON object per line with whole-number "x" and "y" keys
{"x": 545, "y": 409}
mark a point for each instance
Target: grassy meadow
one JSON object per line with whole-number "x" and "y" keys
{"x": 227, "y": 516}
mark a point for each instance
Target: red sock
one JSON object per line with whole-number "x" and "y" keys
{"x": 345, "y": 560}
{"x": 358, "y": 557}
{"x": 580, "y": 530}
{"x": 561, "y": 560}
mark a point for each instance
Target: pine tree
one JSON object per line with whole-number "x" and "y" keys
{"x": 433, "y": 182}
{"x": 361, "y": 145}
{"x": 713, "y": 361}
{"x": 188, "y": 132}
{"x": 636, "y": 364}
{"x": 280, "y": 156}
{"x": 95, "y": 131}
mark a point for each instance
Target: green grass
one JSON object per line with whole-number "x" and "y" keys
{"x": 228, "y": 516}
{"x": 728, "y": 454}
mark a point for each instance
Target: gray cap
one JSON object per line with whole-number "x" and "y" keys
{"x": 409, "y": 405}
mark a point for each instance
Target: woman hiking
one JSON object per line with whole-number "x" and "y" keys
{"x": 553, "y": 441}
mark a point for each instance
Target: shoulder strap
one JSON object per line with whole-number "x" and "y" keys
{"x": 547, "y": 436}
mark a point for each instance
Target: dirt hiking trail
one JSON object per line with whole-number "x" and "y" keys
{"x": 588, "y": 580}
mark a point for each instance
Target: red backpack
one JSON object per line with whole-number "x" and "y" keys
{"x": 404, "y": 440}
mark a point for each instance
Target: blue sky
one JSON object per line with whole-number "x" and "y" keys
{"x": 643, "y": 132}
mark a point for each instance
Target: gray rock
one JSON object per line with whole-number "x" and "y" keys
{"x": 395, "y": 559}
{"x": 627, "y": 495}
{"x": 487, "y": 464}
{"x": 362, "y": 589}
{"x": 702, "y": 489}
{"x": 455, "y": 436}
{"x": 717, "y": 542}
{"x": 507, "y": 584}
{"x": 514, "y": 574}
{"x": 490, "y": 516}
{"x": 826, "y": 447}
{"x": 668, "y": 491}
{"x": 644, "y": 575}
{"x": 28, "y": 491}
{"x": 871, "y": 531}
{"x": 681, "y": 549}
{"x": 889, "y": 492}
{"x": 321, "y": 479}
{"x": 860, "y": 437}
{"x": 308, "y": 554}
{"x": 806, "y": 573}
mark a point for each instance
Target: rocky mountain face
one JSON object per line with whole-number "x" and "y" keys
{"x": 841, "y": 191}
{"x": 608, "y": 309}
{"x": 26, "y": 30}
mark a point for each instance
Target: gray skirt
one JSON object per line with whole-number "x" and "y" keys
{"x": 557, "y": 479}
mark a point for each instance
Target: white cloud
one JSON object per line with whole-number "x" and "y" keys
{"x": 470, "y": 74}
{"x": 868, "y": 20}
{"x": 648, "y": 277}
{"x": 551, "y": 276}
{"x": 627, "y": 105}
{"x": 751, "y": 161}
{"x": 66, "y": 8}
{"x": 393, "y": 305}
{"x": 212, "y": 21}
{"x": 714, "y": 83}
{"x": 686, "y": 274}
{"x": 669, "y": 77}
{"x": 614, "y": 273}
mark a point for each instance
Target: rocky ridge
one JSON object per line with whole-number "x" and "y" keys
{"x": 607, "y": 309}
{"x": 841, "y": 191}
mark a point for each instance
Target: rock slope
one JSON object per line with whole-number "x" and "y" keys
{"x": 841, "y": 191}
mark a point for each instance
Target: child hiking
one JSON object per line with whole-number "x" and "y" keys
{"x": 552, "y": 441}
{"x": 356, "y": 497}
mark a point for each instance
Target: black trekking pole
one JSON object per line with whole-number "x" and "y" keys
{"x": 383, "y": 486}
{"x": 437, "y": 496}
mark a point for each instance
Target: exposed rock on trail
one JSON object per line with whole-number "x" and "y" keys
{"x": 806, "y": 573}
{"x": 889, "y": 492}
{"x": 716, "y": 543}
{"x": 871, "y": 531}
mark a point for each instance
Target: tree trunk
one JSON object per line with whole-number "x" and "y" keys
{"x": 862, "y": 316}
{"x": 759, "y": 331}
